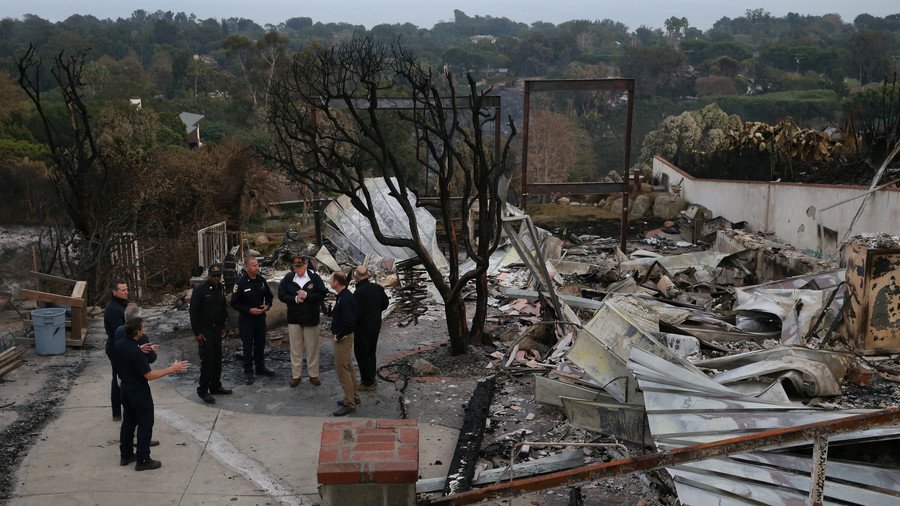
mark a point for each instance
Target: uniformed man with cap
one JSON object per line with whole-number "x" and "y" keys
{"x": 208, "y": 323}
{"x": 252, "y": 298}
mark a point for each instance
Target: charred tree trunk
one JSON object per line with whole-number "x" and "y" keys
{"x": 478, "y": 320}
{"x": 457, "y": 324}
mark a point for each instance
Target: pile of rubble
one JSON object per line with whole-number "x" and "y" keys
{"x": 691, "y": 348}
{"x": 705, "y": 333}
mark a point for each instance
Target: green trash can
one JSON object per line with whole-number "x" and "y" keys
{"x": 49, "y": 330}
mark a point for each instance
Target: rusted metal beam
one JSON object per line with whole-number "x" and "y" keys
{"x": 574, "y": 188}
{"x": 817, "y": 477}
{"x": 767, "y": 439}
{"x": 526, "y": 114}
{"x": 580, "y": 85}
{"x": 400, "y": 103}
{"x": 626, "y": 85}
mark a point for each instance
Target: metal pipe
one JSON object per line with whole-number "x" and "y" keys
{"x": 766, "y": 439}
{"x": 525, "y": 116}
{"x": 623, "y": 237}
{"x": 861, "y": 195}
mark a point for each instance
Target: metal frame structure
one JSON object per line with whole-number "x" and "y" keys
{"x": 626, "y": 85}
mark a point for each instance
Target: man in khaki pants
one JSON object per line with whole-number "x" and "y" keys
{"x": 303, "y": 291}
{"x": 343, "y": 323}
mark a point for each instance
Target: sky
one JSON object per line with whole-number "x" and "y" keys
{"x": 425, "y": 13}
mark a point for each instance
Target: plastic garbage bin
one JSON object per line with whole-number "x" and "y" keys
{"x": 49, "y": 330}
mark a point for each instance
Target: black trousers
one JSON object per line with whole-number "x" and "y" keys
{"x": 210, "y": 360}
{"x": 137, "y": 404}
{"x": 364, "y": 349}
{"x": 115, "y": 394}
{"x": 253, "y": 339}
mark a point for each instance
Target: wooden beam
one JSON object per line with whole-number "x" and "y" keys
{"x": 5, "y": 369}
{"x": 471, "y": 434}
{"x": 10, "y": 352}
{"x": 55, "y": 279}
{"x": 79, "y": 291}
{"x": 12, "y": 357}
{"x": 52, "y": 298}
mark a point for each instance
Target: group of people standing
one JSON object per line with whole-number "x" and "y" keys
{"x": 130, "y": 352}
{"x": 355, "y": 326}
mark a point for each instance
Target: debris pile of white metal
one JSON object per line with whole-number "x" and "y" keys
{"x": 677, "y": 352}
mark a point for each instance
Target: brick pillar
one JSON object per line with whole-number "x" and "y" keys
{"x": 369, "y": 462}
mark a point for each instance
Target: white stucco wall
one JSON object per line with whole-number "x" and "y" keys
{"x": 784, "y": 208}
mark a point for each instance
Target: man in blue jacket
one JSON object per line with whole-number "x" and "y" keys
{"x": 343, "y": 323}
{"x": 303, "y": 291}
{"x": 131, "y": 364}
{"x": 252, "y": 298}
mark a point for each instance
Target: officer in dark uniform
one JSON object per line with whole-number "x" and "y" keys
{"x": 252, "y": 298}
{"x": 208, "y": 323}
{"x": 133, "y": 369}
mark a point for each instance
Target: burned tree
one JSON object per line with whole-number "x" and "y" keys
{"x": 328, "y": 132}
{"x": 79, "y": 172}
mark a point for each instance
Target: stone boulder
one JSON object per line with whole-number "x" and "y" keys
{"x": 669, "y": 207}
{"x": 564, "y": 201}
{"x": 614, "y": 204}
{"x": 424, "y": 367}
{"x": 261, "y": 240}
{"x": 641, "y": 205}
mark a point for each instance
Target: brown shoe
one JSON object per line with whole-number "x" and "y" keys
{"x": 295, "y": 382}
{"x": 315, "y": 380}
{"x": 366, "y": 388}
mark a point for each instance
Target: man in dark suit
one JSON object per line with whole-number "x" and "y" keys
{"x": 370, "y": 302}
{"x": 113, "y": 318}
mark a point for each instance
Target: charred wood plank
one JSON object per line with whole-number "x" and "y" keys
{"x": 462, "y": 467}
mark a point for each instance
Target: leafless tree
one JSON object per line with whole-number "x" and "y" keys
{"x": 351, "y": 140}
{"x": 79, "y": 173}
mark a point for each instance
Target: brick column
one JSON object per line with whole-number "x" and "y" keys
{"x": 369, "y": 462}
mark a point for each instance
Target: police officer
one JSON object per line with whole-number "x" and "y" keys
{"x": 208, "y": 323}
{"x": 252, "y": 298}
{"x": 131, "y": 364}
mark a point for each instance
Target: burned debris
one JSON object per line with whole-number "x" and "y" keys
{"x": 740, "y": 337}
